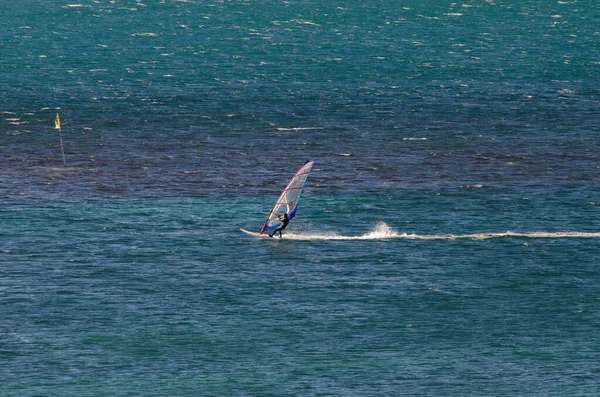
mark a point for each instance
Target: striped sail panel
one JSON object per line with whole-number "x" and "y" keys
{"x": 287, "y": 203}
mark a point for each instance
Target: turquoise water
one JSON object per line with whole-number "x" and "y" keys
{"x": 446, "y": 243}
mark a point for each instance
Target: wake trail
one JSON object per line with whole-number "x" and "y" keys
{"x": 382, "y": 232}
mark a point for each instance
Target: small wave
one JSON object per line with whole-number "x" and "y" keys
{"x": 384, "y": 232}
{"x": 144, "y": 34}
{"x": 298, "y": 128}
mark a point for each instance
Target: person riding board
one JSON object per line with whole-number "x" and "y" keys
{"x": 284, "y": 222}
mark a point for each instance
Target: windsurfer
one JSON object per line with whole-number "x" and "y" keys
{"x": 284, "y": 222}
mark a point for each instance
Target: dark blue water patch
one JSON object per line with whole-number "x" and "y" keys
{"x": 178, "y": 167}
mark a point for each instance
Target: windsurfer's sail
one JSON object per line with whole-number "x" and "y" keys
{"x": 287, "y": 203}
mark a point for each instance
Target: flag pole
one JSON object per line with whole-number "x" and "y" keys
{"x": 57, "y": 126}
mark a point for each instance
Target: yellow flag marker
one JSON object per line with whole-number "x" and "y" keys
{"x": 57, "y": 126}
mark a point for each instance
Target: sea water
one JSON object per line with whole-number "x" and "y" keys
{"x": 446, "y": 243}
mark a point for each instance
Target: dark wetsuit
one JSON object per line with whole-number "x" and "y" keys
{"x": 284, "y": 222}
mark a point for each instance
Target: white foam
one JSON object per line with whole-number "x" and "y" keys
{"x": 382, "y": 231}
